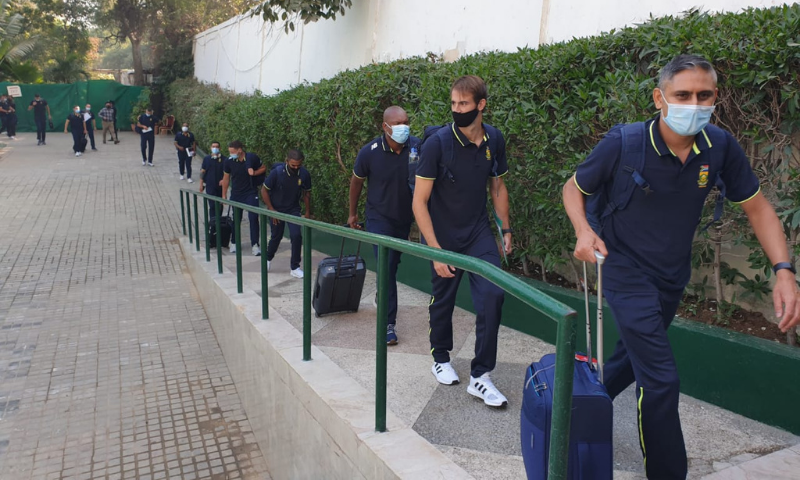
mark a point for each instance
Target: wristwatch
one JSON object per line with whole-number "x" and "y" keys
{"x": 784, "y": 266}
{"x": 507, "y": 230}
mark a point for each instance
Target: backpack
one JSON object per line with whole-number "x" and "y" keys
{"x": 443, "y": 131}
{"x": 627, "y": 177}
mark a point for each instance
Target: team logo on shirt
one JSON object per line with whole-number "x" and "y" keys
{"x": 299, "y": 182}
{"x": 488, "y": 154}
{"x": 702, "y": 178}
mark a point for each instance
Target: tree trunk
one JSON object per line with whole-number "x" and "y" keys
{"x": 544, "y": 272}
{"x": 525, "y": 270}
{"x": 138, "y": 72}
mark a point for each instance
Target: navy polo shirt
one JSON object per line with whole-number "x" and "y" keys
{"x": 39, "y": 108}
{"x": 388, "y": 193}
{"x": 286, "y": 189}
{"x": 184, "y": 140}
{"x": 213, "y": 173}
{"x": 650, "y": 241}
{"x": 76, "y": 122}
{"x": 254, "y": 162}
{"x": 458, "y": 201}
{"x": 242, "y": 184}
{"x": 148, "y": 121}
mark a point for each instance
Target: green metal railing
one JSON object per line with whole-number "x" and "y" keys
{"x": 565, "y": 317}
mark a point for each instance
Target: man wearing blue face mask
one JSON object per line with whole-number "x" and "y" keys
{"x": 146, "y": 127}
{"x": 211, "y": 174}
{"x": 383, "y": 162}
{"x": 647, "y": 239}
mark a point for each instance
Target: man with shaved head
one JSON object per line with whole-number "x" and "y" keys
{"x": 384, "y": 163}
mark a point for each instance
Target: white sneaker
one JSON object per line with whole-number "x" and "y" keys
{"x": 444, "y": 373}
{"x": 256, "y": 251}
{"x": 181, "y": 177}
{"x": 77, "y": 154}
{"x": 232, "y": 247}
{"x": 144, "y": 163}
{"x": 268, "y": 262}
{"x": 297, "y": 273}
{"x": 191, "y": 181}
{"x": 484, "y": 389}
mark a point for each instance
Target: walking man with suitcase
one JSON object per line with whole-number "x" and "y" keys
{"x": 41, "y": 112}
{"x": 457, "y": 164}
{"x": 383, "y": 162}
{"x": 77, "y": 124}
{"x": 285, "y": 185}
{"x": 241, "y": 171}
{"x": 647, "y": 240}
{"x": 88, "y": 117}
{"x": 211, "y": 174}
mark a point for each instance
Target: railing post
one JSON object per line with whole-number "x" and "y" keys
{"x": 262, "y": 223}
{"x": 380, "y": 339}
{"x": 189, "y": 216}
{"x": 562, "y": 398}
{"x": 218, "y": 221}
{"x": 306, "y": 293}
{"x": 183, "y": 214}
{"x": 237, "y": 228}
{"x": 196, "y": 225}
{"x": 205, "y": 222}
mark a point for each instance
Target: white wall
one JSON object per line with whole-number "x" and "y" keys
{"x": 244, "y": 54}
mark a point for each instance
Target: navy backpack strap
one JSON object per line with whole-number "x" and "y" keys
{"x": 628, "y": 174}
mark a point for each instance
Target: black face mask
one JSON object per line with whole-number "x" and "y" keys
{"x": 465, "y": 119}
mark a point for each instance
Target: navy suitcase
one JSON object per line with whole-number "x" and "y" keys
{"x": 591, "y": 453}
{"x": 340, "y": 281}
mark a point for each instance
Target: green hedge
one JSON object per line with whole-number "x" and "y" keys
{"x": 553, "y": 105}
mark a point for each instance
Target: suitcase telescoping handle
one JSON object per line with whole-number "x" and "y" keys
{"x": 341, "y": 255}
{"x": 600, "y": 260}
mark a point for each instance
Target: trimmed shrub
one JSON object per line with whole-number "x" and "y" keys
{"x": 553, "y": 104}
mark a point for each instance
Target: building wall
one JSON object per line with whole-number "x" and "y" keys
{"x": 244, "y": 54}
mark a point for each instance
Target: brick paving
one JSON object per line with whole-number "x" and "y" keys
{"x": 109, "y": 367}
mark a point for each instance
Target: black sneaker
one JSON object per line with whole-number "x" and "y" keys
{"x": 391, "y": 335}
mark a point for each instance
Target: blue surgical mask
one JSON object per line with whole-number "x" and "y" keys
{"x": 215, "y": 151}
{"x": 77, "y": 110}
{"x": 400, "y": 133}
{"x": 233, "y": 156}
{"x": 686, "y": 120}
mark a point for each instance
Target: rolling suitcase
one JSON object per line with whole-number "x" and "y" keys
{"x": 591, "y": 454}
{"x": 340, "y": 281}
{"x": 226, "y": 226}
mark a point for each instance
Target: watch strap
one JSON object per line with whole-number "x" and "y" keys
{"x": 784, "y": 266}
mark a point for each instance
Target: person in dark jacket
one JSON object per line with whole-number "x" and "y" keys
{"x": 78, "y": 126}
{"x": 88, "y": 117}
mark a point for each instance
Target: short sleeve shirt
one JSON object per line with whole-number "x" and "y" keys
{"x": 76, "y": 122}
{"x": 147, "y": 121}
{"x": 253, "y": 161}
{"x": 241, "y": 182}
{"x": 285, "y": 189}
{"x": 213, "y": 168}
{"x": 458, "y": 199}
{"x": 39, "y": 108}
{"x": 184, "y": 140}
{"x": 388, "y": 193}
{"x": 650, "y": 241}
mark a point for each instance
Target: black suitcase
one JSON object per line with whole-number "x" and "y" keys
{"x": 340, "y": 281}
{"x": 84, "y": 142}
{"x": 226, "y": 225}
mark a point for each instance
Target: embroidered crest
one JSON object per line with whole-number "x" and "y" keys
{"x": 702, "y": 178}
{"x": 299, "y": 182}
{"x": 488, "y": 153}
{"x": 374, "y": 146}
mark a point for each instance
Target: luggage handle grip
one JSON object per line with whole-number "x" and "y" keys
{"x": 341, "y": 255}
{"x": 600, "y": 258}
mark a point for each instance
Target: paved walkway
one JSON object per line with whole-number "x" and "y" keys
{"x": 108, "y": 365}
